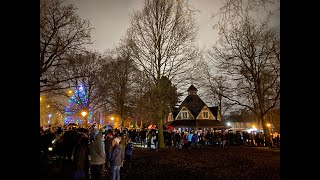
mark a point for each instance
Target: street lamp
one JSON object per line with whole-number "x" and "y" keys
{"x": 111, "y": 122}
{"x": 50, "y": 115}
{"x": 84, "y": 113}
{"x": 269, "y": 126}
{"x": 70, "y": 91}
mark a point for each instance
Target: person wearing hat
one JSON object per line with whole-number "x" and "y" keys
{"x": 116, "y": 158}
{"x": 97, "y": 157}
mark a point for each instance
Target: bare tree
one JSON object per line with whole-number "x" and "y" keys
{"x": 61, "y": 32}
{"x": 143, "y": 111}
{"x": 249, "y": 54}
{"x": 234, "y": 10}
{"x": 273, "y": 116}
{"x": 87, "y": 67}
{"x": 170, "y": 97}
{"x": 162, "y": 41}
{"x": 215, "y": 86}
{"x": 119, "y": 80}
{"x": 218, "y": 87}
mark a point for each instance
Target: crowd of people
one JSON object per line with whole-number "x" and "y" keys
{"x": 84, "y": 153}
{"x": 93, "y": 153}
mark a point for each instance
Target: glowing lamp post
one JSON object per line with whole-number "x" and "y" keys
{"x": 269, "y": 126}
{"x": 112, "y": 119}
{"x": 50, "y": 115}
{"x": 84, "y": 113}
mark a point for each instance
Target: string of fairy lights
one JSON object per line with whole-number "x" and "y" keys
{"x": 77, "y": 102}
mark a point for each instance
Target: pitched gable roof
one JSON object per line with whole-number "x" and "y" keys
{"x": 214, "y": 111}
{"x": 192, "y": 88}
{"x": 175, "y": 112}
{"x": 193, "y": 103}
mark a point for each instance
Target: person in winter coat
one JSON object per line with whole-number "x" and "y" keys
{"x": 115, "y": 159}
{"x": 128, "y": 153}
{"x": 223, "y": 139}
{"x": 189, "y": 139}
{"x": 194, "y": 139}
{"x": 108, "y": 148}
{"x": 97, "y": 157}
{"x": 80, "y": 158}
{"x": 123, "y": 143}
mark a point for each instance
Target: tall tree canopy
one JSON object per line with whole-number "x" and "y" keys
{"x": 62, "y": 31}
{"x": 162, "y": 41}
{"x": 248, "y": 54}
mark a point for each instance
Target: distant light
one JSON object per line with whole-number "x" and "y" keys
{"x": 70, "y": 92}
{"x": 49, "y": 148}
{"x": 229, "y": 124}
{"x": 251, "y": 129}
{"x": 48, "y": 106}
{"x": 268, "y": 125}
{"x": 83, "y": 113}
{"x": 50, "y": 115}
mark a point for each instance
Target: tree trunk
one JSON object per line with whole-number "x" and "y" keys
{"x": 266, "y": 132}
{"x": 160, "y": 134}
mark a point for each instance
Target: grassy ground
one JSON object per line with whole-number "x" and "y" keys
{"x": 207, "y": 162}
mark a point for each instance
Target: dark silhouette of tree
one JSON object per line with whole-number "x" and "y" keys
{"x": 248, "y": 53}
{"x": 86, "y": 67}
{"x": 169, "y": 98}
{"x": 119, "y": 81}
{"x": 61, "y": 32}
{"x": 216, "y": 87}
{"x": 162, "y": 41}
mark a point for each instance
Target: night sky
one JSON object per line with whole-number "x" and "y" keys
{"x": 110, "y": 18}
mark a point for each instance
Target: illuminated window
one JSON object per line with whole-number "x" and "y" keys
{"x": 171, "y": 117}
{"x": 184, "y": 115}
{"x": 237, "y": 125}
{"x": 205, "y": 115}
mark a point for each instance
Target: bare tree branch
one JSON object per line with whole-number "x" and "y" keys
{"x": 61, "y": 32}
